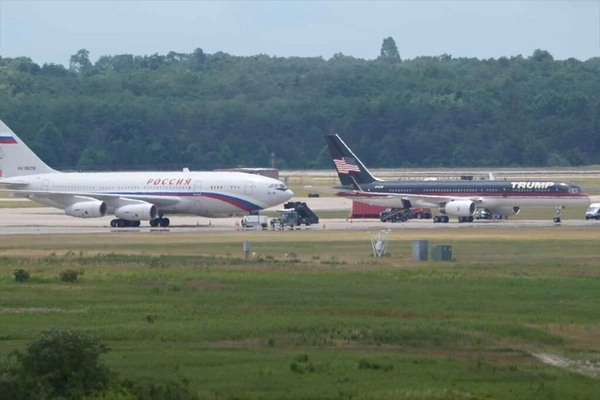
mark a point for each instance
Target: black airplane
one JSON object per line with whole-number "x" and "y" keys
{"x": 458, "y": 198}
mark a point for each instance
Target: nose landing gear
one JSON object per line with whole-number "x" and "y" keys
{"x": 557, "y": 215}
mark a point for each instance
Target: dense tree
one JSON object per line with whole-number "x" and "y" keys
{"x": 389, "y": 50}
{"x": 206, "y": 111}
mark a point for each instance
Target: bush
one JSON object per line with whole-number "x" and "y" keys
{"x": 174, "y": 287}
{"x": 69, "y": 275}
{"x": 365, "y": 364}
{"x": 21, "y": 275}
{"x": 66, "y": 363}
{"x": 150, "y": 318}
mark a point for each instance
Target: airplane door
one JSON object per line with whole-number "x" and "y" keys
{"x": 249, "y": 187}
{"x": 45, "y": 184}
{"x": 197, "y": 188}
{"x": 197, "y": 192}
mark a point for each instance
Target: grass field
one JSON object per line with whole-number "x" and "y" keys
{"x": 311, "y": 315}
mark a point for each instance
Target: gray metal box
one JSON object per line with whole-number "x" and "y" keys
{"x": 441, "y": 252}
{"x": 420, "y": 250}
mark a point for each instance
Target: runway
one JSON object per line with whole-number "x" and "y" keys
{"x": 48, "y": 221}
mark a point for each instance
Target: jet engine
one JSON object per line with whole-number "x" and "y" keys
{"x": 458, "y": 208}
{"x": 137, "y": 212}
{"x": 87, "y": 209}
{"x": 506, "y": 210}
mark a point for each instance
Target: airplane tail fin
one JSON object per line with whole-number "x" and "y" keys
{"x": 349, "y": 168}
{"x": 16, "y": 159}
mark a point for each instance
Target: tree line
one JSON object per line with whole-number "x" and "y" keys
{"x": 206, "y": 111}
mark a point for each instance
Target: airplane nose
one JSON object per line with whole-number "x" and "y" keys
{"x": 288, "y": 194}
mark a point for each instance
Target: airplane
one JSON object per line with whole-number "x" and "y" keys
{"x": 133, "y": 196}
{"x": 458, "y": 198}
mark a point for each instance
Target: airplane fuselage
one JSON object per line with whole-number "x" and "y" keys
{"x": 215, "y": 194}
{"x": 485, "y": 193}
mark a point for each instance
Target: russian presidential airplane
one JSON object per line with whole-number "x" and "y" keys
{"x": 458, "y": 198}
{"x": 133, "y": 196}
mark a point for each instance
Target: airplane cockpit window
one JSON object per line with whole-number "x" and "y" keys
{"x": 280, "y": 186}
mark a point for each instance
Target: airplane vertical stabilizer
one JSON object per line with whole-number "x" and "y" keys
{"x": 349, "y": 168}
{"x": 16, "y": 159}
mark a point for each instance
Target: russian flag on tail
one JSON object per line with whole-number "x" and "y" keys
{"x": 7, "y": 140}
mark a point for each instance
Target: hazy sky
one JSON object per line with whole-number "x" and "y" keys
{"x": 51, "y": 31}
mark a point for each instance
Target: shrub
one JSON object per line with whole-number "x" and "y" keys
{"x": 365, "y": 364}
{"x": 69, "y": 275}
{"x": 21, "y": 275}
{"x": 66, "y": 363}
{"x": 150, "y": 318}
{"x": 174, "y": 287}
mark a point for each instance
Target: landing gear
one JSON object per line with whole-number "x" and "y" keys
{"x": 465, "y": 219}
{"x": 123, "y": 223}
{"x": 440, "y": 218}
{"x": 557, "y": 215}
{"x": 160, "y": 221}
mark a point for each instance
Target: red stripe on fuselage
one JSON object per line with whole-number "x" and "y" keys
{"x": 464, "y": 194}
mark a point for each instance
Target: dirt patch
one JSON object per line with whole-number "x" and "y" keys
{"x": 581, "y": 272}
{"x": 585, "y": 367}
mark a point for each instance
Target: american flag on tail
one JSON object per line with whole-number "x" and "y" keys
{"x": 345, "y": 165}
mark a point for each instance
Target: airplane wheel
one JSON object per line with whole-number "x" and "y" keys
{"x": 135, "y": 224}
{"x": 471, "y": 219}
{"x": 113, "y": 223}
{"x": 154, "y": 223}
{"x": 165, "y": 222}
{"x": 436, "y": 219}
{"x": 556, "y": 220}
{"x": 446, "y": 219}
{"x": 121, "y": 223}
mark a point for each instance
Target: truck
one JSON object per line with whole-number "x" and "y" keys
{"x": 293, "y": 215}
{"x": 404, "y": 214}
{"x": 253, "y": 221}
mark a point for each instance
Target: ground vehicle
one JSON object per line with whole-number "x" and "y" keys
{"x": 286, "y": 218}
{"x": 593, "y": 211}
{"x": 295, "y": 214}
{"x": 252, "y": 221}
{"x": 482, "y": 213}
{"x": 404, "y": 214}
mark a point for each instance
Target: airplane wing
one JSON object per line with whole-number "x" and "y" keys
{"x": 111, "y": 200}
{"x": 431, "y": 199}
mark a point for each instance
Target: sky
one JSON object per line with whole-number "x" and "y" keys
{"x": 51, "y": 31}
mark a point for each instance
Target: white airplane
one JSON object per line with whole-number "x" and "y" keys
{"x": 133, "y": 196}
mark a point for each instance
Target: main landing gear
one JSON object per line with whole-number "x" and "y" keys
{"x": 557, "y": 215}
{"x": 123, "y": 223}
{"x": 160, "y": 221}
{"x": 445, "y": 219}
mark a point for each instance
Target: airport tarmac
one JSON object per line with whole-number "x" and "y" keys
{"x": 48, "y": 221}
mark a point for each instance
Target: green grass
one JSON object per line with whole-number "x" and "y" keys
{"x": 188, "y": 307}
